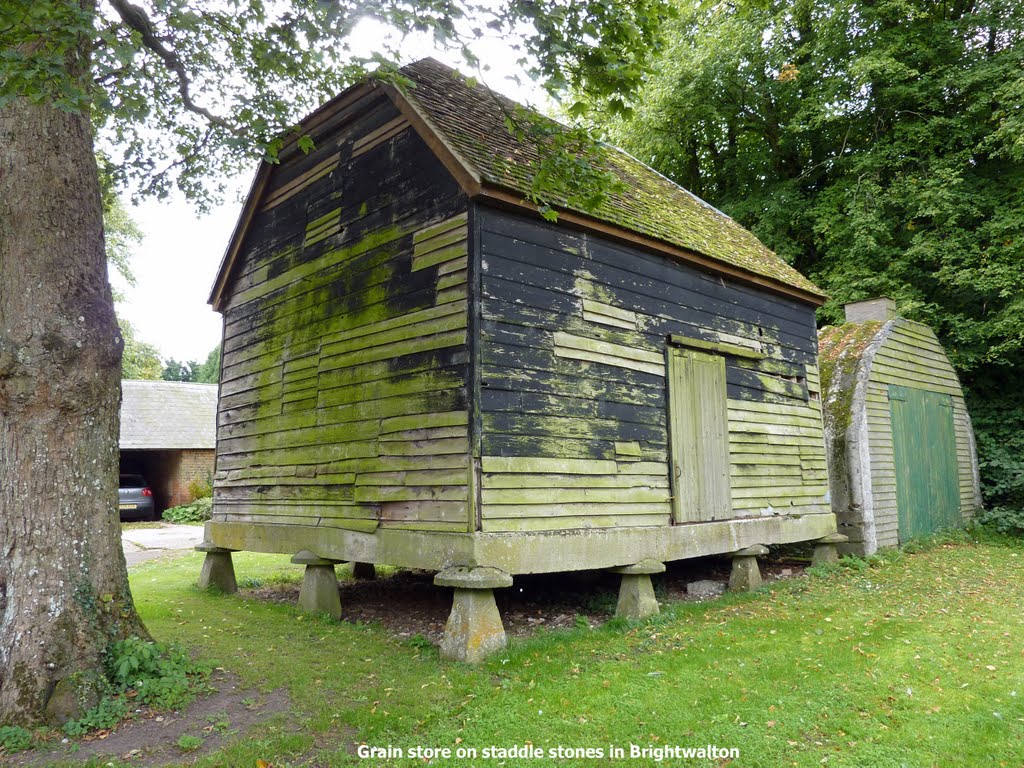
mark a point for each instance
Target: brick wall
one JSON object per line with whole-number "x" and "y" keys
{"x": 191, "y": 464}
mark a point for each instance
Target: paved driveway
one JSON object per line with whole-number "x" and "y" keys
{"x": 141, "y": 544}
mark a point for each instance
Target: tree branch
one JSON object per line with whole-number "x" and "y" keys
{"x": 136, "y": 18}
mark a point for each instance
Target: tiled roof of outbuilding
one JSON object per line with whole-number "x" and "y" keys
{"x": 158, "y": 415}
{"x": 471, "y": 119}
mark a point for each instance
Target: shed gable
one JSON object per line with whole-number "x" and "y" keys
{"x": 343, "y": 384}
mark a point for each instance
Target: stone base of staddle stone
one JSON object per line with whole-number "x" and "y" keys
{"x": 319, "y": 592}
{"x": 218, "y": 570}
{"x": 746, "y": 575}
{"x": 636, "y": 593}
{"x": 825, "y": 549}
{"x": 474, "y": 630}
{"x": 636, "y": 597}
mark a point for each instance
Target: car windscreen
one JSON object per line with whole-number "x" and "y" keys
{"x": 132, "y": 481}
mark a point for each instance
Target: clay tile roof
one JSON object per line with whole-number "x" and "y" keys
{"x": 470, "y": 119}
{"x": 168, "y": 414}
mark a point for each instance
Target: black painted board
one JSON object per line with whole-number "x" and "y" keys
{"x": 564, "y": 404}
{"x": 642, "y": 272}
{"x": 498, "y": 356}
{"x": 516, "y": 262}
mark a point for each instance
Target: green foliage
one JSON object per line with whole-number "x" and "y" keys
{"x": 139, "y": 360}
{"x": 197, "y": 511}
{"x": 208, "y": 372}
{"x": 187, "y": 743}
{"x": 14, "y": 738}
{"x": 107, "y": 714}
{"x": 1004, "y": 520}
{"x": 162, "y": 675}
{"x": 216, "y": 86}
{"x": 120, "y": 234}
{"x": 141, "y": 672}
{"x": 179, "y": 371}
{"x": 997, "y": 411}
{"x": 876, "y": 146}
{"x": 200, "y": 487}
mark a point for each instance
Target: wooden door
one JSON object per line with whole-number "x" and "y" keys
{"x": 699, "y": 436}
{"x": 924, "y": 452}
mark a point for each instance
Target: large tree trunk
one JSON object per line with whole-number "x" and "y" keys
{"x": 61, "y": 564}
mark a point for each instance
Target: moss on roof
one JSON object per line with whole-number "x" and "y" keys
{"x": 472, "y": 120}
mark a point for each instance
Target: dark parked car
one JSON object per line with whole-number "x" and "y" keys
{"x": 135, "y": 498}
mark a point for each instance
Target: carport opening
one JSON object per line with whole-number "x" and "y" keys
{"x": 159, "y": 468}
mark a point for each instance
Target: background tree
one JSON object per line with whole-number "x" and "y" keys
{"x": 208, "y": 372}
{"x": 878, "y": 145}
{"x": 181, "y": 89}
{"x": 139, "y": 360}
{"x": 179, "y": 371}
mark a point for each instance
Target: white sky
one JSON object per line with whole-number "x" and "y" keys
{"x": 177, "y": 262}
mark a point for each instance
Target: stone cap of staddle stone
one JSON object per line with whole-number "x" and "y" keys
{"x": 833, "y": 538}
{"x": 466, "y": 577}
{"x": 305, "y": 557}
{"x": 639, "y": 569}
{"x": 210, "y": 547}
{"x": 755, "y": 550}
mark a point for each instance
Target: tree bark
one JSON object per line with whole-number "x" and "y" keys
{"x": 61, "y": 563}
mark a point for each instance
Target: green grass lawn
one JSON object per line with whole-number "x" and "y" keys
{"x": 914, "y": 659}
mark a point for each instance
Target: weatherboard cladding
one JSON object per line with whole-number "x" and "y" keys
{"x": 167, "y": 414}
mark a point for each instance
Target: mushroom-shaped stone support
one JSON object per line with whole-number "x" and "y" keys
{"x": 218, "y": 570}
{"x": 636, "y": 593}
{"x": 825, "y": 549}
{"x": 746, "y": 576}
{"x": 474, "y": 629}
{"x": 319, "y": 592}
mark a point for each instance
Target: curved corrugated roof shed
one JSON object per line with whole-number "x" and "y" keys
{"x": 901, "y": 453}
{"x": 158, "y": 415}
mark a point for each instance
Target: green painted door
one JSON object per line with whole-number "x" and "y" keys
{"x": 699, "y": 435}
{"x": 924, "y": 446}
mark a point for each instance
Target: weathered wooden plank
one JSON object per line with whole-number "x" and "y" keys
{"x": 387, "y": 493}
{"x": 546, "y": 425}
{"x": 575, "y": 509}
{"x": 440, "y": 256}
{"x": 608, "y": 353}
{"x": 546, "y": 464}
{"x": 424, "y": 447}
{"x": 503, "y": 480}
{"x": 297, "y": 185}
{"x": 607, "y": 314}
{"x": 426, "y": 433}
{"x": 548, "y": 496}
{"x": 568, "y": 523}
{"x": 452, "y": 338}
{"x": 376, "y": 138}
{"x": 441, "y": 227}
{"x": 425, "y": 511}
{"x": 458, "y": 476}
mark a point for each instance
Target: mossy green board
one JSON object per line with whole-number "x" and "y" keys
{"x": 924, "y": 445}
